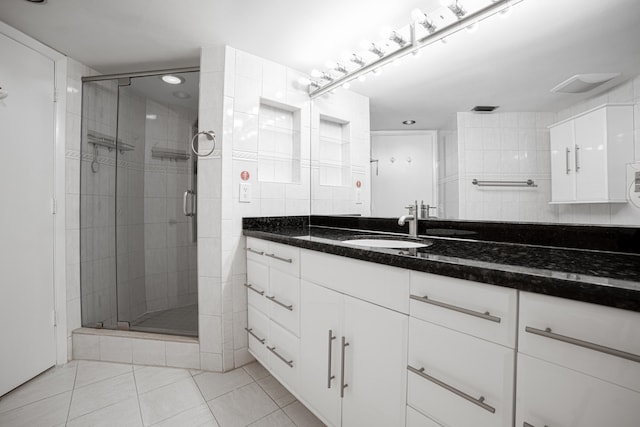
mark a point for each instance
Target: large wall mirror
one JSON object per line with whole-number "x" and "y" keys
{"x": 511, "y": 61}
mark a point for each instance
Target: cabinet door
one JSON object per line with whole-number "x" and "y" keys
{"x": 551, "y": 395}
{"x": 562, "y": 169}
{"x": 375, "y": 367}
{"x": 590, "y": 156}
{"x": 320, "y": 315}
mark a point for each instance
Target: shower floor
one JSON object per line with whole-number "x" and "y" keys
{"x": 175, "y": 321}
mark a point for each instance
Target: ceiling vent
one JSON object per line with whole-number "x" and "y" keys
{"x": 581, "y": 83}
{"x": 484, "y": 108}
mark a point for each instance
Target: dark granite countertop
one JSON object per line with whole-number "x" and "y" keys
{"x": 595, "y": 276}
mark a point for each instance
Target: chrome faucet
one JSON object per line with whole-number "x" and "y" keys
{"x": 412, "y": 218}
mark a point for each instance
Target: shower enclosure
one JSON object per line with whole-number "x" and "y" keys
{"x": 138, "y": 202}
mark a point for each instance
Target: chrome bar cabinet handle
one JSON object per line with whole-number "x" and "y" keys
{"x": 250, "y": 286}
{"x": 274, "y": 256}
{"x": 526, "y": 424}
{"x": 566, "y": 160}
{"x": 281, "y": 304}
{"x": 576, "y": 155}
{"x": 345, "y": 344}
{"x": 486, "y": 315}
{"x": 329, "y": 376}
{"x": 255, "y": 252}
{"x": 547, "y": 333}
{"x": 250, "y": 331}
{"x": 479, "y": 401}
{"x": 273, "y": 350}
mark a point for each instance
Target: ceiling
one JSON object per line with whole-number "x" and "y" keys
{"x": 511, "y": 63}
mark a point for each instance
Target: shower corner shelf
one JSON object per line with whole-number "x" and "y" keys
{"x": 109, "y": 142}
{"x": 169, "y": 153}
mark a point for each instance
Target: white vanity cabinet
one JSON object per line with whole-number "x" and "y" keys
{"x": 589, "y": 153}
{"x": 353, "y": 352}
{"x": 273, "y": 295}
{"x": 461, "y": 361}
{"x": 578, "y": 364}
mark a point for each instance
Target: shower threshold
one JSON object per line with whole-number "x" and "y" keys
{"x": 174, "y": 321}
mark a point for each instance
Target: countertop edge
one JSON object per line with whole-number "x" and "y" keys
{"x": 610, "y": 296}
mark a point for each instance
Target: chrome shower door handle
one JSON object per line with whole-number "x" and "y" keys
{"x": 184, "y": 203}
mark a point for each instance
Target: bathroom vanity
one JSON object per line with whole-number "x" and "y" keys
{"x": 460, "y": 332}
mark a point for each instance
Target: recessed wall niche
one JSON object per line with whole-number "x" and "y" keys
{"x": 279, "y": 142}
{"x": 334, "y": 152}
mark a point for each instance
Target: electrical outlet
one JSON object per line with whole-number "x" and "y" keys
{"x": 245, "y": 192}
{"x": 358, "y": 196}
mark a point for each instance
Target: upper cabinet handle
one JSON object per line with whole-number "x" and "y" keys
{"x": 576, "y": 154}
{"x": 255, "y": 252}
{"x": 274, "y": 256}
{"x": 580, "y": 343}
{"x": 485, "y": 315}
{"x": 566, "y": 160}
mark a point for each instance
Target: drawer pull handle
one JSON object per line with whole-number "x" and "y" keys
{"x": 250, "y": 331}
{"x": 274, "y": 256}
{"x": 479, "y": 401}
{"x": 250, "y": 286}
{"x": 329, "y": 376}
{"x": 288, "y": 362}
{"x": 580, "y": 343}
{"x": 273, "y": 298}
{"x": 255, "y": 252}
{"x": 345, "y": 344}
{"x": 526, "y": 424}
{"x": 486, "y": 315}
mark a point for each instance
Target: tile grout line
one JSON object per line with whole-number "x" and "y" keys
{"x": 273, "y": 400}
{"x": 135, "y": 383}
{"x": 30, "y": 403}
{"x": 73, "y": 389}
{"x": 206, "y": 402}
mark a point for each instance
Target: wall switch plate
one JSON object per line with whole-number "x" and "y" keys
{"x": 358, "y": 196}
{"x": 245, "y": 192}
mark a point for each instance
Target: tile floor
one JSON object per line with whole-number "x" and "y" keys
{"x": 91, "y": 393}
{"x": 180, "y": 320}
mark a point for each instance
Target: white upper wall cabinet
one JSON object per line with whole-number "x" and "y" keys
{"x": 589, "y": 153}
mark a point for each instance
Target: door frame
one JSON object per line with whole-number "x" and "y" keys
{"x": 59, "y": 138}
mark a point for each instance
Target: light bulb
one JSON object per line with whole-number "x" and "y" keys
{"x": 445, "y": 3}
{"x": 316, "y": 73}
{"x": 386, "y": 32}
{"x": 304, "y": 81}
{"x": 417, "y": 15}
{"x": 330, "y": 64}
{"x": 365, "y": 44}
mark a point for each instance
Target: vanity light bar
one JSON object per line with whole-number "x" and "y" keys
{"x": 414, "y": 45}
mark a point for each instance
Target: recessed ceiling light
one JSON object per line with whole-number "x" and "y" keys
{"x": 181, "y": 95}
{"x": 409, "y": 122}
{"x": 172, "y": 80}
{"x": 581, "y": 83}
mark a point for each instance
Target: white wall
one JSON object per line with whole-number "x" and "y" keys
{"x": 448, "y": 172}
{"x": 609, "y": 213}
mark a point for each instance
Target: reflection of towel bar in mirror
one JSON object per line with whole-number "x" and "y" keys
{"x": 109, "y": 142}
{"x": 527, "y": 183}
{"x": 168, "y": 153}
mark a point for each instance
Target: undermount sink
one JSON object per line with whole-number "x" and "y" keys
{"x": 386, "y": 243}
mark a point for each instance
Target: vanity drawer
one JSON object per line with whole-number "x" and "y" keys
{"x": 551, "y": 395}
{"x": 282, "y": 257}
{"x": 284, "y": 298}
{"x": 258, "y": 332}
{"x": 284, "y": 355}
{"x": 256, "y": 249}
{"x": 416, "y": 419}
{"x": 257, "y": 285}
{"x": 600, "y": 341}
{"x": 484, "y": 311}
{"x": 482, "y": 372}
{"x": 380, "y": 284}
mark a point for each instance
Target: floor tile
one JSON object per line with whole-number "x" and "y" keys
{"x": 54, "y": 381}
{"x": 170, "y": 400}
{"x": 122, "y": 414}
{"x": 90, "y": 372}
{"x": 275, "y": 419}
{"x": 301, "y": 416}
{"x": 276, "y": 391}
{"x": 149, "y": 378}
{"x": 242, "y": 406}
{"x": 46, "y": 413}
{"x": 256, "y": 370}
{"x": 199, "y": 416}
{"x": 213, "y": 384}
{"x": 102, "y": 394}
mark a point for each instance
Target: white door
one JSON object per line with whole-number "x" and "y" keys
{"x": 591, "y": 156}
{"x": 320, "y": 313}
{"x": 376, "y": 365}
{"x": 563, "y": 185}
{"x": 27, "y": 334}
{"x": 404, "y": 172}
